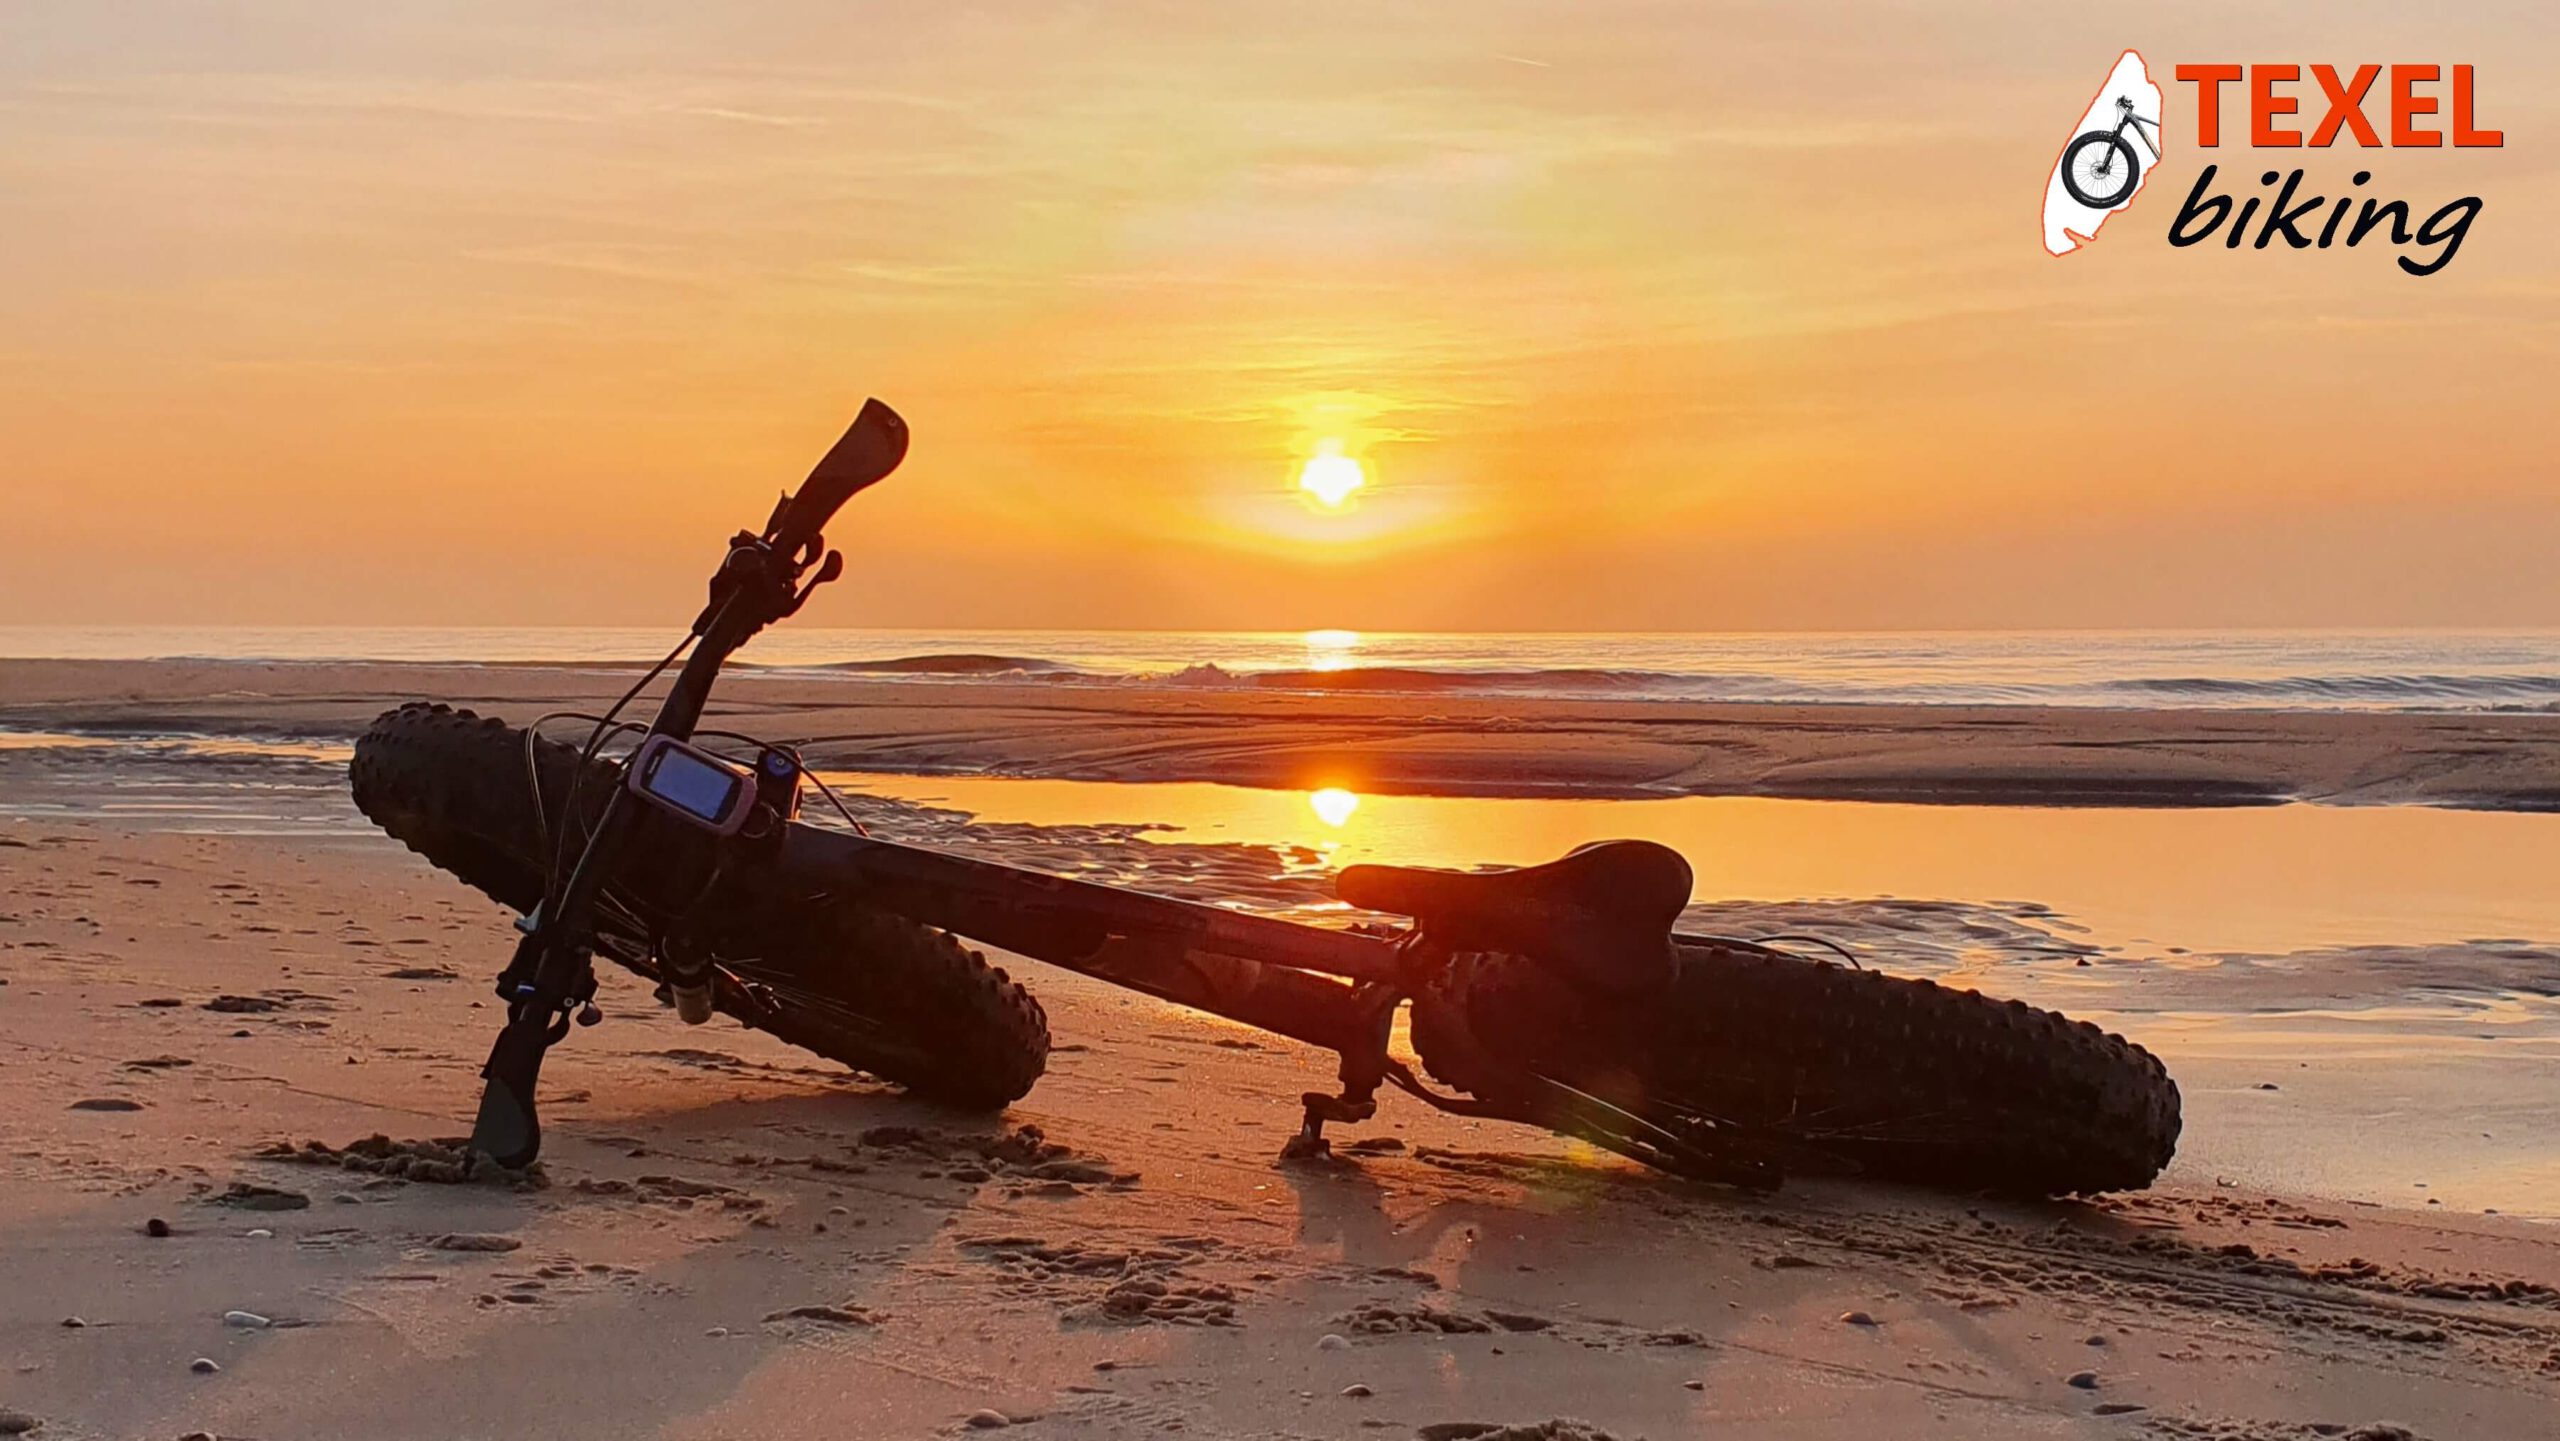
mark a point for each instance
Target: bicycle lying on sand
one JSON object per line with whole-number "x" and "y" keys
{"x": 1557, "y": 995}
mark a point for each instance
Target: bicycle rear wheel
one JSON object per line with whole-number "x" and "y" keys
{"x": 1884, "y": 1075}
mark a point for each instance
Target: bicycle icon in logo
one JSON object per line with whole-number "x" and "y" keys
{"x": 2099, "y": 168}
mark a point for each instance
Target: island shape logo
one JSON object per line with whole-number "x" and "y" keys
{"x": 2107, "y": 159}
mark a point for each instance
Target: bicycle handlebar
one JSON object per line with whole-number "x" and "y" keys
{"x": 871, "y": 448}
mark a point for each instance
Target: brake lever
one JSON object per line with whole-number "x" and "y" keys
{"x": 829, "y": 569}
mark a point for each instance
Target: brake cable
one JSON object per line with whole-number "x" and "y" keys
{"x": 533, "y": 766}
{"x": 799, "y": 765}
{"x": 1762, "y": 944}
{"x": 595, "y": 742}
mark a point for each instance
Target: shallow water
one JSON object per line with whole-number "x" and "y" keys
{"x": 2263, "y": 879}
{"x": 213, "y": 785}
{"x": 2266, "y": 878}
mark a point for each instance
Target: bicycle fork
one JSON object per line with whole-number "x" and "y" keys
{"x": 551, "y": 978}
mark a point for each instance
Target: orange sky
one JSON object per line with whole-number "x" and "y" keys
{"x": 1659, "y": 316}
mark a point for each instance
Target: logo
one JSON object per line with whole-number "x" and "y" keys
{"x": 2102, "y": 166}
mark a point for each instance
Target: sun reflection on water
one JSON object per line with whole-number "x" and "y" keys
{"x": 1332, "y": 649}
{"x": 1333, "y": 805}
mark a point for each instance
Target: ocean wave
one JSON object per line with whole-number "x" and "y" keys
{"x": 2358, "y": 690}
{"x": 962, "y": 664}
{"x": 1879, "y": 685}
{"x": 2350, "y": 689}
{"x": 1422, "y": 680}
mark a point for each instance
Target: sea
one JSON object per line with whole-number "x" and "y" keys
{"x": 2426, "y": 670}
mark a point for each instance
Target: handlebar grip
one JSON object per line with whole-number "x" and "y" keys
{"x": 871, "y": 448}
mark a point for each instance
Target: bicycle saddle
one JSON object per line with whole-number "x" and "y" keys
{"x": 1603, "y": 913}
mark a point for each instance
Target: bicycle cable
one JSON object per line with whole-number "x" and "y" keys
{"x": 533, "y": 765}
{"x": 605, "y": 728}
{"x": 838, "y": 802}
{"x": 1762, "y": 943}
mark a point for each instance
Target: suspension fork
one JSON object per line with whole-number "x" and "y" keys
{"x": 553, "y": 970}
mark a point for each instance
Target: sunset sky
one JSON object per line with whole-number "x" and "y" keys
{"x": 1648, "y": 316}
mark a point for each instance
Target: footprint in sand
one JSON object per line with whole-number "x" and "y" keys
{"x": 1095, "y": 1282}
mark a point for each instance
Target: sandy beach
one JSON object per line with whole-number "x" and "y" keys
{"x": 734, "y": 1239}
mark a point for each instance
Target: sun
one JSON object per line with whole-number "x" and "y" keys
{"x": 1330, "y": 476}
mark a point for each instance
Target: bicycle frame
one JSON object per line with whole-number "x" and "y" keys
{"x": 2129, "y": 117}
{"x": 1262, "y": 972}
{"x": 1270, "y": 974}
{"x": 1335, "y": 989}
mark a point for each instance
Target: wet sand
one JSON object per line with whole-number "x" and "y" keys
{"x": 737, "y": 1240}
{"x": 1384, "y": 743}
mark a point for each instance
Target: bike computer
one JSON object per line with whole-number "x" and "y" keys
{"x": 693, "y": 785}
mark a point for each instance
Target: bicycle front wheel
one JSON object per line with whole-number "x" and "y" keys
{"x": 2099, "y": 169}
{"x": 875, "y": 991}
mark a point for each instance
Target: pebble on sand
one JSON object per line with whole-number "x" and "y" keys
{"x": 17, "y": 1423}
{"x": 1856, "y": 1318}
{"x": 245, "y": 1321}
{"x": 204, "y": 1365}
{"x": 474, "y": 1241}
{"x": 257, "y": 1196}
{"x": 2085, "y": 1380}
{"x": 155, "y": 1227}
{"x": 1357, "y": 1392}
{"x": 989, "y": 1420}
{"x": 73, "y": 1323}
{"x": 1331, "y": 1342}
